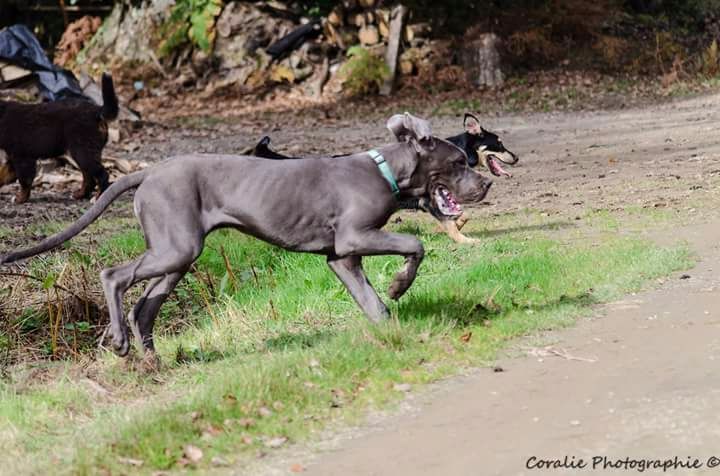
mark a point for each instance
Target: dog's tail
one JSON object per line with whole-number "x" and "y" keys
{"x": 110, "y": 195}
{"x": 110, "y": 107}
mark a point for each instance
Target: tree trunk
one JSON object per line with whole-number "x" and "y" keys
{"x": 483, "y": 63}
{"x": 392, "y": 52}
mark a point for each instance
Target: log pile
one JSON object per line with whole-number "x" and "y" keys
{"x": 241, "y": 60}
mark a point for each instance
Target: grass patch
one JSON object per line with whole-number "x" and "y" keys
{"x": 279, "y": 349}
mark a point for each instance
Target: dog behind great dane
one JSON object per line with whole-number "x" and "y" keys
{"x": 79, "y": 127}
{"x": 482, "y": 147}
{"x": 330, "y": 207}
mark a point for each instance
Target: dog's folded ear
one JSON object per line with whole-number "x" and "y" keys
{"x": 472, "y": 124}
{"x": 406, "y": 127}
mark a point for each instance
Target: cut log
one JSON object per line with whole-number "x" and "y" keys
{"x": 397, "y": 18}
{"x": 482, "y": 61}
{"x": 369, "y": 35}
{"x": 384, "y": 30}
{"x": 333, "y": 35}
{"x": 417, "y": 30}
{"x": 359, "y": 20}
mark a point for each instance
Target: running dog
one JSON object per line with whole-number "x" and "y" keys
{"x": 482, "y": 147}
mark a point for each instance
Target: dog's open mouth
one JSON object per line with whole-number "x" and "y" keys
{"x": 493, "y": 164}
{"x": 445, "y": 202}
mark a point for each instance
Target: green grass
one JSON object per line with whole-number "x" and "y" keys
{"x": 282, "y": 335}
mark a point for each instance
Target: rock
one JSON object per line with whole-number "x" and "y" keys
{"x": 369, "y": 35}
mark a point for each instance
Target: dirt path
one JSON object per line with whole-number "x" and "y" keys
{"x": 636, "y": 381}
{"x": 644, "y": 386}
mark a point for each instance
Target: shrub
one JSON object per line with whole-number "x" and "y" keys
{"x": 190, "y": 21}
{"x": 709, "y": 64}
{"x": 364, "y": 72}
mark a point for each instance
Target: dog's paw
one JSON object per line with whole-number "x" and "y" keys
{"x": 121, "y": 345}
{"x": 397, "y": 288}
{"x": 465, "y": 240}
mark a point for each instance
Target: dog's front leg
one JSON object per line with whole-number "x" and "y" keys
{"x": 462, "y": 221}
{"x": 349, "y": 271}
{"x": 453, "y": 231}
{"x": 377, "y": 242}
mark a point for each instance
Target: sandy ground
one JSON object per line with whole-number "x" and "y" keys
{"x": 643, "y": 384}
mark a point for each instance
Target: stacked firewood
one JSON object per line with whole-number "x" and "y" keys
{"x": 366, "y": 23}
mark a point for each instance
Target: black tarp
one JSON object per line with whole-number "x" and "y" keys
{"x": 19, "y": 46}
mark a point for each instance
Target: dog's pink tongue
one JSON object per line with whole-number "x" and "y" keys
{"x": 497, "y": 169}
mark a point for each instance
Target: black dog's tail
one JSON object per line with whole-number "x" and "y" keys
{"x": 110, "y": 108}
{"x": 113, "y": 192}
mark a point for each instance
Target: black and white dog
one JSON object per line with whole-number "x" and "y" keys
{"x": 483, "y": 149}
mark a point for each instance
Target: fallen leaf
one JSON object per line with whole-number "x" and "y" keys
{"x": 194, "y": 416}
{"x": 466, "y": 337}
{"x": 192, "y": 453}
{"x": 131, "y": 461}
{"x": 247, "y": 440}
{"x": 219, "y": 461}
{"x": 297, "y": 468}
{"x": 402, "y": 387}
{"x": 211, "y": 431}
{"x": 264, "y": 412}
{"x": 246, "y": 422}
{"x": 278, "y": 406}
{"x": 276, "y": 442}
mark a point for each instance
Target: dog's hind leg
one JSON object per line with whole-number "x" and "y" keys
{"x": 349, "y": 271}
{"x": 92, "y": 170}
{"x": 377, "y": 242}
{"x": 142, "y": 317}
{"x": 25, "y": 169}
{"x": 165, "y": 258}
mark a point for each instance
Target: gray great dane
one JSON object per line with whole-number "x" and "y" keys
{"x": 325, "y": 206}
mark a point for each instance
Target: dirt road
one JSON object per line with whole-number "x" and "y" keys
{"x": 638, "y": 380}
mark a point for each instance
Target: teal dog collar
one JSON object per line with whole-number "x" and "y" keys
{"x": 385, "y": 170}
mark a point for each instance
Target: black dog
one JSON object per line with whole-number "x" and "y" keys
{"x": 482, "y": 147}
{"x": 29, "y": 132}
